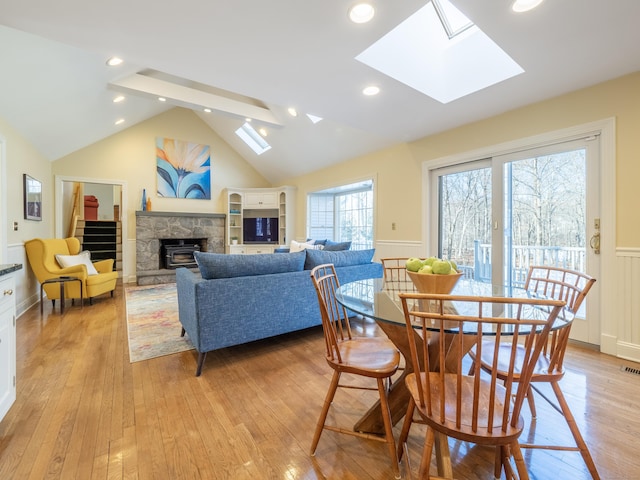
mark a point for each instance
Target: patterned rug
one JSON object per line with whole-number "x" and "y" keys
{"x": 152, "y": 322}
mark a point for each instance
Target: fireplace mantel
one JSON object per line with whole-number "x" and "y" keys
{"x": 153, "y": 213}
{"x": 152, "y": 226}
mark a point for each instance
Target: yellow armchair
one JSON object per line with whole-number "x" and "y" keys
{"x": 42, "y": 258}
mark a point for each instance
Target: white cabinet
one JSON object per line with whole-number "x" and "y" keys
{"x": 250, "y": 249}
{"x": 258, "y": 249}
{"x": 249, "y": 203}
{"x": 7, "y": 344}
{"x": 261, "y": 200}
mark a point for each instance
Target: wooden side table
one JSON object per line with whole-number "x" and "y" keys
{"x": 61, "y": 281}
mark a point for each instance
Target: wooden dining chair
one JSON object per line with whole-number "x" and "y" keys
{"x": 395, "y": 275}
{"x": 372, "y": 357}
{"x": 476, "y": 408}
{"x": 571, "y": 287}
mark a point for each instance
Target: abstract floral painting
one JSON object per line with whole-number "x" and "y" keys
{"x": 184, "y": 169}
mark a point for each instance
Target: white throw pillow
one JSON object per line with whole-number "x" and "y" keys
{"x": 298, "y": 247}
{"x": 83, "y": 258}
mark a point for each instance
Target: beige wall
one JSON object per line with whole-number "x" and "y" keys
{"x": 398, "y": 170}
{"x": 396, "y": 176}
{"x": 21, "y": 158}
{"x": 130, "y": 156}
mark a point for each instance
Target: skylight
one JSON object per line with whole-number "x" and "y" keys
{"x": 253, "y": 139}
{"x": 314, "y": 119}
{"x": 421, "y": 54}
{"x": 453, "y": 20}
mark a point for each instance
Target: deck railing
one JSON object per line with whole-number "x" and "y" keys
{"x": 522, "y": 257}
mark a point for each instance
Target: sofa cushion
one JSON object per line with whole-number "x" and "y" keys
{"x": 299, "y": 247}
{"x": 220, "y": 265}
{"x": 344, "y": 258}
{"x": 336, "y": 246}
{"x": 83, "y": 258}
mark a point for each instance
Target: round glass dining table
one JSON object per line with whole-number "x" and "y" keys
{"x": 379, "y": 300}
{"x": 374, "y": 298}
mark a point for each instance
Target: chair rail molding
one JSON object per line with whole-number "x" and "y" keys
{"x": 398, "y": 248}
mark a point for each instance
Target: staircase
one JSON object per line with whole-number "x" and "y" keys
{"x": 102, "y": 238}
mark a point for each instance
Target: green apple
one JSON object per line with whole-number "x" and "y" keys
{"x": 413, "y": 264}
{"x": 454, "y": 265}
{"x": 426, "y": 269}
{"x": 441, "y": 267}
{"x": 430, "y": 260}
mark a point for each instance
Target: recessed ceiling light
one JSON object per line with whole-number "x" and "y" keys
{"x": 371, "y": 90}
{"x": 162, "y": 99}
{"x": 118, "y": 99}
{"x": 114, "y": 61}
{"x": 520, "y": 6}
{"x": 247, "y": 120}
{"x": 120, "y": 121}
{"x": 292, "y": 111}
{"x": 263, "y": 132}
{"x": 361, "y": 13}
{"x": 207, "y": 110}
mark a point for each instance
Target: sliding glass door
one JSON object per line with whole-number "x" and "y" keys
{"x": 496, "y": 217}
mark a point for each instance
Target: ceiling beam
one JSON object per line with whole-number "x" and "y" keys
{"x": 194, "y": 99}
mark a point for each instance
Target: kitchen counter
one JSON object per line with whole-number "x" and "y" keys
{"x": 6, "y": 268}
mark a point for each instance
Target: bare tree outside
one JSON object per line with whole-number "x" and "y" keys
{"x": 545, "y": 214}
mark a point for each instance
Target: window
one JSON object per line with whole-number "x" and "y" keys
{"x": 253, "y": 139}
{"x": 342, "y": 214}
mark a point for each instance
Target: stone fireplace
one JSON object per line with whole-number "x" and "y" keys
{"x": 155, "y": 228}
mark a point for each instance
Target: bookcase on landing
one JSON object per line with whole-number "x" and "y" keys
{"x": 259, "y": 219}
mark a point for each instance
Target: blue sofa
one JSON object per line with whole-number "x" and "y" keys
{"x": 237, "y": 299}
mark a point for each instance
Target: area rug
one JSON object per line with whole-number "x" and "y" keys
{"x": 152, "y": 322}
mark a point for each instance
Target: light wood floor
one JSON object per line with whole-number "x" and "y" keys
{"x": 84, "y": 412}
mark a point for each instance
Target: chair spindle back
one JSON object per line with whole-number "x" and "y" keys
{"x": 569, "y": 286}
{"x": 475, "y": 405}
{"x": 335, "y": 321}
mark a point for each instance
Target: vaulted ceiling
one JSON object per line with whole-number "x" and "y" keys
{"x": 256, "y": 58}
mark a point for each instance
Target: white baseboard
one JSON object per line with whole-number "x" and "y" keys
{"x": 629, "y": 351}
{"x": 609, "y": 344}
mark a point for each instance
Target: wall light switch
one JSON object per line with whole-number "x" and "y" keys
{"x": 393, "y": 226}
{"x": 15, "y": 226}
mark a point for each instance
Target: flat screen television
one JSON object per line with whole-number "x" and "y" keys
{"x": 260, "y": 230}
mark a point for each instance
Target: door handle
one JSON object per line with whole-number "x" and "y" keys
{"x": 594, "y": 243}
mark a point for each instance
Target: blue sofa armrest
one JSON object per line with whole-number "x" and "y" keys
{"x": 186, "y": 282}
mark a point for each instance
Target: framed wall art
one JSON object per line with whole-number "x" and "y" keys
{"x": 183, "y": 169}
{"x": 32, "y": 198}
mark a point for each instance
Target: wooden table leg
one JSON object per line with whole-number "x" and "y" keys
{"x": 398, "y": 395}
